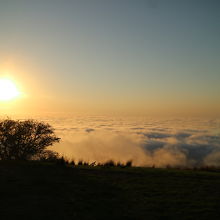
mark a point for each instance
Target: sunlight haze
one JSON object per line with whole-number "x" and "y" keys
{"x": 113, "y": 57}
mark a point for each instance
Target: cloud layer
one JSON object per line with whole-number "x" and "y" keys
{"x": 147, "y": 142}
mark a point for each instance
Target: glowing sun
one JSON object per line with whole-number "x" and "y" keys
{"x": 8, "y": 90}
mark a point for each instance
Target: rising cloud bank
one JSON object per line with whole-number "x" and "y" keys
{"x": 155, "y": 143}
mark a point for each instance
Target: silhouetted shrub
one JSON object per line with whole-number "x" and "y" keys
{"x": 61, "y": 161}
{"x": 22, "y": 140}
{"x": 109, "y": 163}
{"x": 80, "y": 163}
{"x": 46, "y": 155}
{"x": 72, "y": 163}
{"x": 119, "y": 164}
{"x": 128, "y": 163}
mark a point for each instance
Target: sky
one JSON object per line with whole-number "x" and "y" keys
{"x": 112, "y": 56}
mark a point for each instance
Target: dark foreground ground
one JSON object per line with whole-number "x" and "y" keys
{"x": 31, "y": 190}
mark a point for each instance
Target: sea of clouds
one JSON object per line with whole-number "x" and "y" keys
{"x": 146, "y": 141}
{"x": 177, "y": 142}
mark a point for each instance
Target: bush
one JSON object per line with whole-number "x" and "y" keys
{"x": 22, "y": 140}
{"x": 128, "y": 163}
{"x": 80, "y": 163}
{"x": 46, "y": 155}
{"x": 72, "y": 163}
{"x": 109, "y": 163}
{"x": 61, "y": 161}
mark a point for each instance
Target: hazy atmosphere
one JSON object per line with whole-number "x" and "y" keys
{"x": 148, "y": 57}
{"x": 123, "y": 80}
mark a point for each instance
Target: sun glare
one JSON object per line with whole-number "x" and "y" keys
{"x": 8, "y": 90}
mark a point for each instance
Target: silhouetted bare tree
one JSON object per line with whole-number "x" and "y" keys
{"x": 21, "y": 140}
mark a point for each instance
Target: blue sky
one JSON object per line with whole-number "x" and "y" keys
{"x": 107, "y": 55}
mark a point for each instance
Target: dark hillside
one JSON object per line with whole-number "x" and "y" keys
{"x": 33, "y": 190}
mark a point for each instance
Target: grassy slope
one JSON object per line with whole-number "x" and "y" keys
{"x": 39, "y": 191}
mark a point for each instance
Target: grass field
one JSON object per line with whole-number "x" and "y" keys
{"x": 34, "y": 190}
